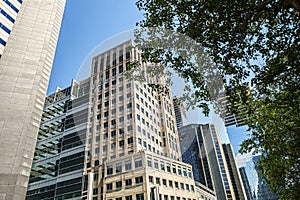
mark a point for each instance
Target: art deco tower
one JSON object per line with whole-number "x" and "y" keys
{"x": 132, "y": 149}
{"x": 28, "y": 38}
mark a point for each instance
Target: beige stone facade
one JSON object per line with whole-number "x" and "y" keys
{"x": 131, "y": 123}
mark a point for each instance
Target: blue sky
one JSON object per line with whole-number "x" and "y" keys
{"x": 87, "y": 23}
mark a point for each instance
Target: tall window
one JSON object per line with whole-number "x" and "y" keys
{"x": 138, "y": 162}
{"x": 140, "y": 197}
{"x": 128, "y": 165}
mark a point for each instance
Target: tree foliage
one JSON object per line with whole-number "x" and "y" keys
{"x": 256, "y": 43}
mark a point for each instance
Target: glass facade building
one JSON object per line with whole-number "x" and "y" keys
{"x": 234, "y": 174}
{"x": 201, "y": 147}
{"x": 246, "y": 184}
{"x": 58, "y": 161}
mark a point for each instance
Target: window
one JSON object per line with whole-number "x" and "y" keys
{"x": 113, "y": 134}
{"x": 179, "y": 171}
{"x": 192, "y": 188}
{"x": 113, "y": 146}
{"x": 128, "y": 197}
{"x": 174, "y": 170}
{"x": 119, "y": 168}
{"x": 128, "y": 165}
{"x": 176, "y": 184}
{"x": 109, "y": 187}
{"x": 187, "y": 187}
{"x": 138, "y": 162}
{"x": 149, "y": 163}
{"x": 168, "y": 168}
{"x": 157, "y": 180}
{"x": 164, "y": 182}
{"x": 129, "y": 116}
{"x": 171, "y": 183}
{"x": 184, "y": 173}
{"x": 162, "y": 166}
{"x": 140, "y": 197}
{"x": 139, "y": 180}
{"x": 121, "y": 144}
{"x": 181, "y": 186}
{"x": 129, "y": 128}
{"x": 121, "y": 69}
{"x": 121, "y": 131}
{"x": 128, "y": 182}
{"x": 119, "y": 184}
{"x": 105, "y": 125}
{"x": 109, "y": 170}
{"x": 151, "y": 179}
{"x": 156, "y": 164}
{"x": 130, "y": 141}
{"x": 106, "y": 114}
{"x": 166, "y": 197}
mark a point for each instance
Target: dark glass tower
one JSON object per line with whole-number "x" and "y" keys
{"x": 58, "y": 162}
{"x": 201, "y": 147}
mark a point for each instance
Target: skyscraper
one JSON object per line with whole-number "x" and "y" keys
{"x": 263, "y": 192}
{"x": 234, "y": 174}
{"x": 201, "y": 147}
{"x": 58, "y": 161}
{"x": 246, "y": 184}
{"x": 9, "y": 11}
{"x": 128, "y": 147}
{"x": 29, "y": 33}
{"x": 180, "y": 113}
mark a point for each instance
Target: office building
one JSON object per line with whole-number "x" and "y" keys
{"x": 128, "y": 147}
{"x": 263, "y": 192}
{"x": 204, "y": 193}
{"x": 9, "y": 12}
{"x": 195, "y": 153}
{"x": 58, "y": 161}
{"x": 28, "y": 37}
{"x": 234, "y": 174}
{"x": 229, "y": 118}
{"x": 180, "y": 112}
{"x": 246, "y": 184}
{"x": 201, "y": 148}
